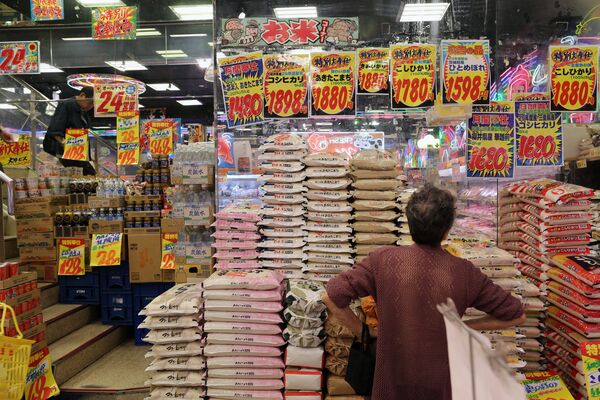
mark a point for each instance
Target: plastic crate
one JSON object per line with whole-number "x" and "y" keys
{"x": 115, "y": 278}
{"x": 90, "y": 279}
{"x": 79, "y": 295}
{"x": 144, "y": 293}
{"x": 139, "y": 333}
{"x": 117, "y": 298}
{"x": 117, "y": 315}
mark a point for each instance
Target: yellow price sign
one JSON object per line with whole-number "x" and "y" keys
{"x": 106, "y": 249}
{"x": 169, "y": 240}
{"x": 373, "y": 70}
{"x": 286, "y": 86}
{"x": 573, "y": 78}
{"x": 128, "y": 127}
{"x": 413, "y": 75}
{"x": 112, "y": 98}
{"x": 128, "y": 154}
{"x": 590, "y": 355}
{"x": 465, "y": 71}
{"x": 76, "y": 145}
{"x": 16, "y": 154}
{"x": 545, "y": 385}
{"x": 333, "y": 83}
{"x": 71, "y": 256}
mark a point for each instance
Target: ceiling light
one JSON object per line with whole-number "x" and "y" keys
{"x": 172, "y": 53}
{"x": 147, "y": 32}
{"x": 193, "y": 12}
{"x": 4, "y": 106}
{"x": 26, "y": 91}
{"x": 242, "y": 15}
{"x": 211, "y": 44}
{"x": 127, "y": 65}
{"x": 140, "y": 105}
{"x": 417, "y": 12}
{"x": 204, "y": 62}
{"x": 101, "y": 127}
{"x": 178, "y": 35}
{"x": 69, "y": 39}
{"x": 295, "y": 12}
{"x": 163, "y": 87}
{"x": 10, "y": 89}
{"x": 47, "y": 68}
{"x": 100, "y": 3}
{"x": 193, "y": 102}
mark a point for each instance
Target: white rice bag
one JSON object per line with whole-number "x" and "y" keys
{"x": 327, "y": 184}
{"x": 329, "y": 216}
{"x": 165, "y": 322}
{"x": 247, "y": 373}
{"x": 330, "y": 258}
{"x": 304, "y": 357}
{"x": 245, "y": 339}
{"x": 329, "y": 206}
{"x": 290, "y": 198}
{"x": 282, "y": 166}
{"x": 282, "y": 155}
{"x": 214, "y": 350}
{"x": 282, "y": 222}
{"x": 327, "y": 237}
{"x": 223, "y": 394}
{"x": 173, "y": 335}
{"x": 282, "y": 232}
{"x": 177, "y": 378}
{"x": 246, "y": 306}
{"x": 183, "y": 393}
{"x": 243, "y": 294}
{"x": 245, "y": 317}
{"x": 241, "y": 327}
{"x": 176, "y": 350}
{"x": 317, "y": 226}
{"x": 331, "y": 195}
{"x": 284, "y": 188}
{"x": 283, "y": 254}
{"x": 283, "y": 263}
{"x": 194, "y": 363}
{"x": 283, "y": 243}
{"x": 326, "y": 160}
{"x": 283, "y": 141}
{"x": 283, "y": 210}
{"x": 282, "y": 177}
{"x": 326, "y": 172}
{"x": 182, "y": 299}
{"x": 244, "y": 362}
{"x": 330, "y": 247}
{"x": 303, "y": 379}
{"x": 254, "y": 280}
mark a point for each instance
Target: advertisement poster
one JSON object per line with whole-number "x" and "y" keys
{"x": 161, "y": 133}
{"x": 106, "y": 249}
{"x": 491, "y": 145}
{"x": 112, "y": 98}
{"x": 333, "y": 83}
{"x": 373, "y": 70}
{"x": 128, "y": 127}
{"x": 573, "y": 78}
{"x": 169, "y": 240}
{"x": 16, "y": 154}
{"x": 286, "y": 85}
{"x": 413, "y": 75}
{"x": 538, "y": 133}
{"x": 128, "y": 153}
{"x": 19, "y": 58}
{"x": 465, "y": 71}
{"x": 40, "y": 383}
{"x": 590, "y": 355}
{"x": 197, "y": 133}
{"x": 345, "y": 143}
{"x": 114, "y": 23}
{"x": 47, "y": 10}
{"x": 545, "y": 385}
{"x": 71, "y": 256}
{"x": 253, "y": 32}
{"x": 76, "y": 145}
{"x": 243, "y": 86}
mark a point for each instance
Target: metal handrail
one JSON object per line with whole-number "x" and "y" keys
{"x": 10, "y": 188}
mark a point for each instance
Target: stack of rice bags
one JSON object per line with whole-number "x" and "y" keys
{"x": 178, "y": 368}
{"x": 284, "y": 205}
{"x": 305, "y": 315}
{"x": 328, "y": 232}
{"x": 376, "y": 187}
{"x": 404, "y": 238}
{"x": 236, "y": 236}
{"x": 243, "y": 334}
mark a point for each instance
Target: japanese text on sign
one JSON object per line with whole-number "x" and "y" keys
{"x": 590, "y": 355}
{"x": 19, "y": 58}
{"x": 465, "y": 71}
{"x": 373, "y": 70}
{"x": 545, "y": 385}
{"x": 160, "y": 136}
{"x": 286, "y": 86}
{"x": 106, "y": 249}
{"x": 110, "y": 99}
{"x": 16, "y": 154}
{"x": 573, "y": 78}
{"x": 345, "y": 143}
{"x": 40, "y": 383}
{"x": 169, "y": 240}
{"x": 114, "y": 23}
{"x": 490, "y": 145}
{"x": 538, "y": 134}
{"x": 76, "y": 145}
{"x": 47, "y": 10}
{"x": 128, "y": 153}
{"x": 128, "y": 127}
{"x": 413, "y": 75}
{"x": 71, "y": 256}
{"x": 333, "y": 83}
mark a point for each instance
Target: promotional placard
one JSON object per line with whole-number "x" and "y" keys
{"x": 169, "y": 240}
{"x": 71, "y": 256}
{"x": 47, "y": 10}
{"x": 128, "y": 153}
{"x": 76, "y": 145}
{"x": 19, "y": 58}
{"x": 114, "y": 23}
{"x": 40, "y": 383}
{"x": 496, "y": 107}
{"x": 590, "y": 355}
{"x": 160, "y": 136}
{"x": 573, "y": 78}
{"x": 243, "y": 87}
{"x": 286, "y": 85}
{"x": 128, "y": 127}
{"x": 16, "y": 154}
{"x": 491, "y": 145}
{"x": 333, "y": 78}
{"x": 465, "y": 71}
{"x": 112, "y": 98}
{"x": 538, "y": 134}
{"x": 106, "y": 249}
{"x": 413, "y": 75}
{"x": 545, "y": 385}
{"x": 373, "y": 70}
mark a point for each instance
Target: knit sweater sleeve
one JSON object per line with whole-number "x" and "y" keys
{"x": 356, "y": 283}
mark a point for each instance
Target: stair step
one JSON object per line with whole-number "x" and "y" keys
{"x": 62, "y": 319}
{"x": 76, "y": 351}
{"x": 49, "y": 293}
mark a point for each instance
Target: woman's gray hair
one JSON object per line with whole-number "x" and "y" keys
{"x": 430, "y": 213}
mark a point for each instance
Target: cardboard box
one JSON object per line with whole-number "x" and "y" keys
{"x": 171, "y": 225}
{"x": 38, "y": 346}
{"x": 106, "y": 202}
{"x": 39, "y": 206}
{"x": 193, "y": 273}
{"x": 168, "y": 275}
{"x": 142, "y": 231}
{"x": 13, "y": 301}
{"x": 36, "y": 240}
{"x": 101, "y": 226}
{"x": 71, "y": 231}
{"x": 144, "y": 258}
{"x": 198, "y": 174}
{"x": 34, "y": 225}
{"x": 37, "y": 254}
{"x": 142, "y": 214}
{"x": 46, "y": 272}
{"x": 23, "y": 316}
{"x": 32, "y": 332}
{"x": 20, "y": 279}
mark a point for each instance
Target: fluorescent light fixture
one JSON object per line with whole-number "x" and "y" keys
{"x": 73, "y": 39}
{"x": 193, "y": 12}
{"x": 4, "y": 106}
{"x": 10, "y": 89}
{"x": 101, "y": 127}
{"x": 126, "y": 65}
{"x": 100, "y": 3}
{"x": 172, "y": 53}
{"x": 418, "y": 12}
{"x": 192, "y": 102}
{"x": 295, "y": 12}
{"x": 163, "y": 87}
{"x": 179, "y": 35}
{"x": 147, "y": 32}
{"x": 204, "y": 62}
{"x": 323, "y": 123}
{"x": 26, "y": 91}
{"x": 242, "y": 15}
{"x": 47, "y": 68}
{"x": 140, "y": 105}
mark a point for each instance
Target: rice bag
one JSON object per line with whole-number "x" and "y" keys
{"x": 302, "y": 395}
{"x": 246, "y": 373}
{"x": 225, "y": 394}
{"x": 338, "y": 347}
{"x": 221, "y": 224}
{"x": 245, "y": 339}
{"x": 177, "y": 378}
{"x": 365, "y": 249}
{"x": 283, "y": 243}
{"x": 571, "y": 205}
{"x": 372, "y": 174}
{"x": 282, "y": 155}
{"x": 236, "y": 254}
{"x": 337, "y": 386}
{"x": 283, "y": 263}
{"x": 293, "y": 273}
{"x": 176, "y": 350}
{"x": 585, "y": 267}
{"x": 589, "y": 330}
{"x": 237, "y": 264}
{"x": 375, "y": 227}
{"x": 283, "y": 141}
{"x": 183, "y": 393}
{"x": 245, "y": 317}
{"x": 327, "y": 237}
{"x": 245, "y": 306}
{"x": 380, "y": 216}
{"x": 303, "y": 379}
{"x": 290, "y": 198}
{"x": 318, "y": 216}
{"x": 302, "y": 320}
{"x": 326, "y": 160}
{"x": 330, "y": 247}
{"x": 332, "y": 195}
{"x": 373, "y": 160}
{"x": 337, "y": 366}
{"x": 244, "y": 362}
{"x": 241, "y": 327}
{"x": 174, "y": 335}
{"x": 217, "y": 350}
{"x": 254, "y": 280}
{"x": 375, "y": 238}
{"x": 193, "y": 363}
{"x": 304, "y": 337}
{"x": 297, "y": 254}
{"x": 574, "y": 296}
{"x": 374, "y": 205}
{"x": 243, "y": 294}
{"x": 327, "y": 183}
{"x": 282, "y": 232}
{"x": 283, "y": 188}
{"x": 330, "y": 258}
{"x": 329, "y": 206}
{"x": 319, "y": 277}
{"x": 574, "y": 309}
{"x": 166, "y": 322}
{"x": 326, "y": 269}
{"x": 499, "y": 272}
{"x": 375, "y": 195}
{"x": 283, "y": 210}
{"x": 281, "y": 222}
{"x": 304, "y": 357}
{"x": 282, "y": 166}
{"x": 557, "y": 218}
{"x": 539, "y": 228}
{"x": 235, "y": 244}
{"x": 317, "y": 226}
{"x": 551, "y": 190}
{"x": 377, "y": 184}
{"x": 182, "y": 299}
{"x": 326, "y": 172}
{"x": 305, "y": 296}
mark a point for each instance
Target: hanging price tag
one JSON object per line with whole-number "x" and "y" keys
{"x": 373, "y": 70}
{"x": 40, "y": 383}
{"x": 333, "y": 83}
{"x": 169, "y": 240}
{"x": 590, "y": 355}
{"x": 538, "y": 134}
{"x": 573, "y": 78}
{"x": 465, "y": 71}
{"x": 16, "y": 154}
{"x": 490, "y": 145}
{"x": 413, "y": 75}
{"x": 286, "y": 86}
{"x": 128, "y": 153}
{"x": 110, "y": 99}
{"x": 47, "y": 10}
{"x": 76, "y": 145}
{"x": 161, "y": 140}
{"x": 106, "y": 249}
{"x": 19, "y": 58}
{"x": 71, "y": 256}
{"x": 128, "y": 127}
{"x": 114, "y": 23}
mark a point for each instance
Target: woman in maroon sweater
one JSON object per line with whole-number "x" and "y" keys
{"x": 407, "y": 283}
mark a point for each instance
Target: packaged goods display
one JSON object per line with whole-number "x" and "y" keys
{"x": 237, "y": 237}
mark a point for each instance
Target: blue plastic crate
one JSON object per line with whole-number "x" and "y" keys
{"x": 79, "y": 295}
{"x": 117, "y": 315}
{"x": 115, "y": 278}
{"x": 139, "y": 333}
{"x": 90, "y": 279}
{"x": 150, "y": 289}
{"x": 118, "y": 298}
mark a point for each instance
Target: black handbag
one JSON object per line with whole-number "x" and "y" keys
{"x": 361, "y": 364}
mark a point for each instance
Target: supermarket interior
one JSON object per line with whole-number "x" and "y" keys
{"x": 188, "y": 186}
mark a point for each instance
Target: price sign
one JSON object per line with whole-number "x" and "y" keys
{"x": 47, "y": 10}
{"x": 413, "y": 75}
{"x": 590, "y": 355}
{"x": 573, "y": 78}
{"x": 465, "y": 71}
{"x": 243, "y": 87}
{"x": 490, "y": 145}
{"x": 539, "y": 134}
{"x": 19, "y": 58}
{"x": 169, "y": 240}
{"x": 496, "y": 107}
{"x": 114, "y": 23}
{"x": 76, "y": 145}
{"x": 40, "y": 383}
{"x": 286, "y": 86}
{"x": 128, "y": 127}
{"x": 112, "y": 98}
{"x": 71, "y": 256}
{"x": 160, "y": 136}
{"x": 545, "y": 385}
{"x": 373, "y": 70}
{"x": 128, "y": 153}
{"x": 333, "y": 83}
{"x": 106, "y": 249}
{"x": 16, "y": 154}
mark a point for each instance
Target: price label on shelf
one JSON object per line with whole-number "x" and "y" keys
{"x": 110, "y": 99}
{"x": 128, "y": 153}
{"x": 373, "y": 70}
{"x": 106, "y": 249}
{"x": 71, "y": 256}
{"x": 538, "y": 131}
{"x": 19, "y": 58}
{"x": 413, "y": 75}
{"x": 573, "y": 78}
{"x": 333, "y": 83}
{"x": 169, "y": 240}
{"x": 286, "y": 85}
{"x": 76, "y": 145}
{"x": 490, "y": 145}
{"x": 465, "y": 71}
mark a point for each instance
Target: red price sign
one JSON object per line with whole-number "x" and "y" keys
{"x": 245, "y": 107}
{"x": 168, "y": 250}
{"x": 47, "y": 10}
{"x": 333, "y": 82}
{"x": 413, "y": 75}
{"x": 161, "y": 144}
{"x": 110, "y": 99}
{"x": 76, "y": 145}
{"x": 465, "y": 71}
{"x": 286, "y": 86}
{"x": 490, "y": 145}
{"x": 19, "y": 58}
{"x": 71, "y": 257}
{"x": 106, "y": 249}
{"x": 573, "y": 78}
{"x": 538, "y": 133}
{"x": 373, "y": 70}
{"x": 128, "y": 127}
{"x": 128, "y": 154}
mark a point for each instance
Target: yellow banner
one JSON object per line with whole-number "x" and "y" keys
{"x": 590, "y": 355}
{"x": 286, "y": 85}
{"x": 128, "y": 153}
{"x": 169, "y": 240}
{"x": 161, "y": 138}
{"x": 545, "y": 385}
{"x": 128, "y": 127}
{"x": 106, "y": 249}
{"x": 373, "y": 70}
{"x": 76, "y": 145}
{"x": 465, "y": 71}
{"x": 413, "y": 75}
{"x": 112, "y": 98}
{"x": 16, "y": 154}
{"x": 71, "y": 256}
{"x": 40, "y": 383}
{"x": 573, "y": 78}
{"x": 333, "y": 83}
